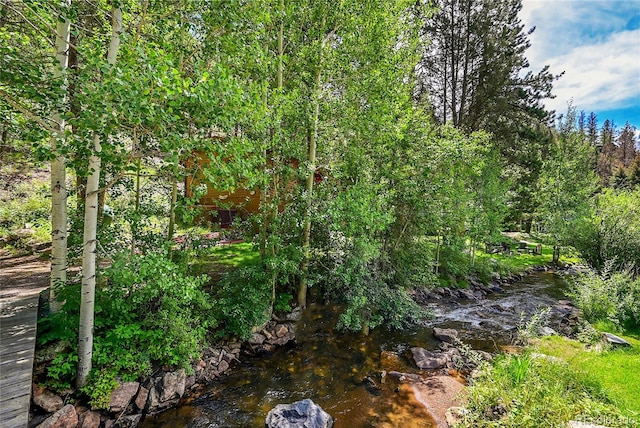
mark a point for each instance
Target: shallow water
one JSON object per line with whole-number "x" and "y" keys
{"x": 330, "y": 367}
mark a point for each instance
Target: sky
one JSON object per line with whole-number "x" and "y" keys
{"x": 597, "y": 45}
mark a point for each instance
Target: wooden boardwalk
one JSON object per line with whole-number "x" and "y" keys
{"x": 21, "y": 280}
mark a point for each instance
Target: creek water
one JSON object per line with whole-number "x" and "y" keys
{"x": 330, "y": 367}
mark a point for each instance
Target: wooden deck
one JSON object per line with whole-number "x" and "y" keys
{"x": 21, "y": 280}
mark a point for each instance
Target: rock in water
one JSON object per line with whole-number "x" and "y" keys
{"x": 615, "y": 340}
{"x": 447, "y": 335}
{"x": 301, "y": 414}
{"x": 428, "y": 360}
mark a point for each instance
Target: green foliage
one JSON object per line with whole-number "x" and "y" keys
{"x": 148, "y": 312}
{"x": 608, "y": 296}
{"x": 612, "y": 233}
{"x": 532, "y": 328}
{"x": 522, "y": 391}
{"x": 28, "y": 202}
{"x": 62, "y": 369}
{"x": 567, "y": 182}
{"x": 283, "y": 302}
{"x": 242, "y": 301}
{"x": 99, "y": 387}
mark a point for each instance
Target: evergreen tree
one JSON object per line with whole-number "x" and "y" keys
{"x": 592, "y": 130}
{"x": 473, "y": 73}
{"x": 627, "y": 145}
{"x": 608, "y": 153}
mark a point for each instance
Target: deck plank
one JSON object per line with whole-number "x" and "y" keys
{"x": 18, "y": 317}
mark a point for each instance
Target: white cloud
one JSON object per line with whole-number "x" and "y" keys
{"x": 601, "y": 76}
{"x": 594, "y": 43}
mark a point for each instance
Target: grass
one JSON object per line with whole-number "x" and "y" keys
{"x": 216, "y": 260}
{"x": 235, "y": 255}
{"x": 526, "y": 391}
{"x": 515, "y": 262}
{"x": 616, "y": 370}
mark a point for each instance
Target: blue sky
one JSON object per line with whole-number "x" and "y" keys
{"x": 597, "y": 44}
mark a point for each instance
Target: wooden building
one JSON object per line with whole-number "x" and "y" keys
{"x": 221, "y": 206}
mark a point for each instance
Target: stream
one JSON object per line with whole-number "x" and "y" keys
{"x": 330, "y": 366}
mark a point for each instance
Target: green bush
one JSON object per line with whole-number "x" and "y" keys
{"x": 243, "y": 301}
{"x": 148, "y": 312}
{"x": 28, "y": 203}
{"x": 608, "y": 297}
{"x": 613, "y": 231}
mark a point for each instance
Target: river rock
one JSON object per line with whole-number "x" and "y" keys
{"x": 63, "y": 418}
{"x": 173, "y": 384}
{"x": 257, "y": 339}
{"x": 548, "y": 331}
{"x": 46, "y": 400}
{"x": 281, "y": 330}
{"x": 371, "y": 385}
{"x": 141, "y": 398}
{"x": 614, "y": 340}
{"x": 301, "y": 414}
{"x": 122, "y": 396}
{"x": 438, "y": 394}
{"x": 448, "y": 335}
{"x": 223, "y": 366}
{"x": 19, "y": 234}
{"x": 89, "y": 419}
{"x": 428, "y": 360}
{"x": 404, "y": 377}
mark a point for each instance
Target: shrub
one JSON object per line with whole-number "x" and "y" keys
{"x": 243, "y": 300}
{"x": 608, "y": 296}
{"x": 28, "y": 203}
{"x": 148, "y": 312}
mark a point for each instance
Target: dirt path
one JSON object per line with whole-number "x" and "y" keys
{"x": 22, "y": 277}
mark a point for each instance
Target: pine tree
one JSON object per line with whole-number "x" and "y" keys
{"x": 608, "y": 152}
{"x": 472, "y": 72}
{"x": 592, "y": 130}
{"x": 627, "y": 145}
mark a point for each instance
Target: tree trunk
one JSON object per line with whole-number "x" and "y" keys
{"x": 437, "y": 255}
{"x": 311, "y": 160}
{"x": 87, "y": 298}
{"x": 556, "y": 254}
{"x": 172, "y": 210}
{"x": 137, "y": 204}
{"x": 58, "y": 174}
{"x": 274, "y": 199}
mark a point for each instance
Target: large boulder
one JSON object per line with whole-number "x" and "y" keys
{"x": 131, "y": 421}
{"x": 301, "y": 414}
{"x": 89, "y": 419}
{"x": 427, "y": 360}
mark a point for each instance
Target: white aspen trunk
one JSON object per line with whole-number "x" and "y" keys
{"x": 87, "y": 298}
{"x": 58, "y": 173}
